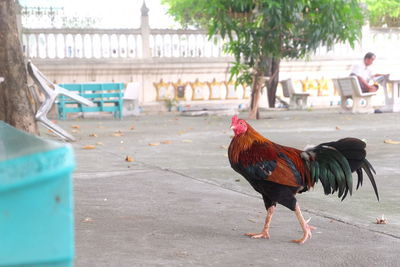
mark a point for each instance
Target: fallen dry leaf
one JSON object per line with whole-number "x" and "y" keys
{"x": 99, "y": 143}
{"x": 381, "y": 220}
{"x": 89, "y": 147}
{"x": 133, "y": 127}
{"x": 338, "y": 128}
{"x": 76, "y": 126}
{"x": 129, "y": 159}
{"x": 154, "y": 144}
{"x": 390, "y": 141}
{"x": 166, "y": 142}
{"x": 187, "y": 141}
{"x": 93, "y": 135}
{"x": 87, "y": 219}
{"x": 181, "y": 132}
{"x": 118, "y": 133}
{"x": 75, "y": 131}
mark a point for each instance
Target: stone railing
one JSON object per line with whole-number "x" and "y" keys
{"x": 384, "y": 42}
{"x": 185, "y": 43}
{"x": 131, "y": 43}
{"x": 119, "y": 43}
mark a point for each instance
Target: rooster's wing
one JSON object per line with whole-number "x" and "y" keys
{"x": 271, "y": 162}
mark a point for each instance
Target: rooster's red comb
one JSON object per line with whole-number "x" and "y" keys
{"x": 235, "y": 119}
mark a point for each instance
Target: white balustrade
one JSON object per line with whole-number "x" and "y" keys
{"x": 97, "y": 43}
{"x": 166, "y": 43}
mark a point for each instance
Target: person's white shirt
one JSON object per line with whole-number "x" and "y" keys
{"x": 363, "y": 71}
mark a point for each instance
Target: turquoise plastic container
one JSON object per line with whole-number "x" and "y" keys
{"x": 36, "y": 200}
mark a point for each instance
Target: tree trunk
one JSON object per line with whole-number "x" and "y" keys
{"x": 272, "y": 84}
{"x": 258, "y": 83}
{"x": 268, "y": 67}
{"x": 15, "y": 106}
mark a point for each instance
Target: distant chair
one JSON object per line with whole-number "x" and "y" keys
{"x": 297, "y": 100}
{"x": 349, "y": 88}
{"x": 51, "y": 91}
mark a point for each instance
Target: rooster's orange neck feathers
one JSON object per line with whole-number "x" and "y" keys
{"x": 244, "y": 141}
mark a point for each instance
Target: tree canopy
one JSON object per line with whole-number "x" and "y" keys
{"x": 261, "y": 31}
{"x": 384, "y": 13}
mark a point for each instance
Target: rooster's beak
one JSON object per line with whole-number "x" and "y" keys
{"x": 232, "y": 127}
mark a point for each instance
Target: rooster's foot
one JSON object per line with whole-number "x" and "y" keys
{"x": 307, "y": 234}
{"x": 258, "y": 235}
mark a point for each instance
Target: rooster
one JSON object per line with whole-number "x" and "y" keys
{"x": 279, "y": 172}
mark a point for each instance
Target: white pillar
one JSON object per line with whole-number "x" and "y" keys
{"x": 145, "y": 31}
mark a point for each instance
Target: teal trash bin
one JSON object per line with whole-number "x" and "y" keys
{"x": 36, "y": 203}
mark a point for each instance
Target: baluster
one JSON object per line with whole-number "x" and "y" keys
{"x": 163, "y": 43}
{"x": 204, "y": 40}
{"x": 135, "y": 46}
{"x": 28, "y": 54}
{"x": 91, "y": 44}
{"x": 84, "y": 49}
{"x": 47, "y": 47}
{"x": 56, "y": 55}
{"x": 37, "y": 45}
{"x": 123, "y": 45}
{"x": 66, "y": 49}
{"x": 101, "y": 46}
{"x": 109, "y": 46}
{"x": 75, "y": 54}
{"x": 171, "y": 45}
{"x": 118, "y": 46}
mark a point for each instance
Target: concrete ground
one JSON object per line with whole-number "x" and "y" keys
{"x": 178, "y": 203}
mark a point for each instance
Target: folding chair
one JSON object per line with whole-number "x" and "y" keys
{"x": 51, "y": 91}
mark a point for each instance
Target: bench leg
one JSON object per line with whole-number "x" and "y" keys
{"x": 359, "y": 107}
{"x": 343, "y": 101}
{"x": 297, "y": 102}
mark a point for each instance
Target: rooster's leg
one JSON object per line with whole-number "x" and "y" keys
{"x": 304, "y": 225}
{"x": 264, "y": 233}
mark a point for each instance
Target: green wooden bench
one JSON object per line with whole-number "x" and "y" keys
{"x": 106, "y": 96}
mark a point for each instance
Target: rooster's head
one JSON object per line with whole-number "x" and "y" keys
{"x": 238, "y": 126}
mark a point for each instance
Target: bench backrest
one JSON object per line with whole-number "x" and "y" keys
{"x": 96, "y": 90}
{"x": 349, "y": 86}
{"x": 287, "y": 87}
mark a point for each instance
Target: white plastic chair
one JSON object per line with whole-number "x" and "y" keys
{"x": 51, "y": 91}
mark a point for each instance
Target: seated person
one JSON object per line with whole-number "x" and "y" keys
{"x": 365, "y": 75}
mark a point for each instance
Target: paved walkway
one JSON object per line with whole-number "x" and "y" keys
{"x": 178, "y": 203}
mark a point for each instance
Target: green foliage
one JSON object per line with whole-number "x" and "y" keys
{"x": 260, "y": 29}
{"x": 384, "y": 13}
{"x": 170, "y": 103}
